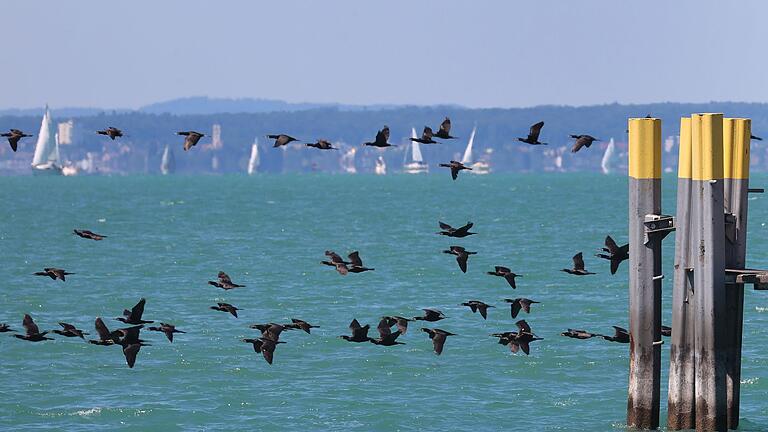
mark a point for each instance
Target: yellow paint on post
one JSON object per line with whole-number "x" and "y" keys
{"x": 729, "y": 132}
{"x": 737, "y": 133}
{"x": 707, "y": 143}
{"x": 645, "y": 148}
{"x": 684, "y": 164}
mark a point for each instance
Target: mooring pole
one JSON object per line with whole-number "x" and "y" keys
{"x": 681, "y": 402}
{"x": 736, "y": 143}
{"x": 709, "y": 272}
{"x": 644, "y": 267}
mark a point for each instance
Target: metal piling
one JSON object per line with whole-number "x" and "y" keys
{"x": 644, "y": 267}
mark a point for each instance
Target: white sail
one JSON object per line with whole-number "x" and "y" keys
{"x": 416, "y": 165}
{"x": 46, "y": 149}
{"x": 415, "y": 148}
{"x": 167, "y": 164}
{"x": 467, "y": 158}
{"x": 253, "y": 162}
{"x": 605, "y": 164}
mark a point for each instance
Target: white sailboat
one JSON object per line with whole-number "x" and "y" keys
{"x": 381, "y": 166}
{"x": 253, "y": 162}
{"x": 479, "y": 167}
{"x": 417, "y": 165}
{"x": 46, "y": 158}
{"x": 607, "y": 161}
{"x": 167, "y": 165}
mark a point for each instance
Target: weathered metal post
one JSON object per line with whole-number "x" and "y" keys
{"x": 681, "y": 401}
{"x": 736, "y": 143}
{"x": 709, "y": 272}
{"x": 644, "y": 266}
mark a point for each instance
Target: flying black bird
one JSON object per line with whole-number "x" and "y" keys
{"x": 578, "y": 266}
{"x": 13, "y": 137}
{"x": 431, "y": 315}
{"x": 426, "y": 137}
{"x": 281, "y": 139}
{"x": 381, "y": 139}
{"x": 224, "y": 282}
{"x": 438, "y": 337}
{"x": 271, "y": 330}
{"x": 386, "y": 336}
{"x": 578, "y": 334}
{"x": 33, "y": 332}
{"x": 461, "y": 256}
{"x": 445, "y": 130}
{"x": 168, "y": 329}
{"x": 522, "y": 341}
{"x": 54, "y": 273}
{"x": 322, "y": 145}
{"x": 582, "y": 141}
{"x": 191, "y": 139}
{"x": 111, "y": 132}
{"x": 300, "y": 324}
{"x": 356, "y": 264}
{"x": 5, "y": 328}
{"x": 460, "y": 232}
{"x": 506, "y": 274}
{"x": 105, "y": 336}
{"x": 533, "y": 135}
{"x": 265, "y": 346}
{"x": 359, "y": 333}
{"x": 518, "y": 340}
{"x": 666, "y": 331}
{"x": 620, "y": 335}
{"x": 455, "y": 168}
{"x": 131, "y": 343}
{"x": 226, "y": 307}
{"x": 133, "y": 316}
{"x": 615, "y": 254}
{"x": 70, "y": 331}
{"x": 402, "y": 323}
{"x": 477, "y": 305}
{"x": 520, "y": 303}
{"x": 336, "y": 261}
{"x": 90, "y": 235}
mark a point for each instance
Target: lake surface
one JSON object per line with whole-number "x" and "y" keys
{"x": 169, "y": 235}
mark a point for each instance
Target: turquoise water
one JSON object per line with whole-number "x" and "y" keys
{"x": 169, "y": 235}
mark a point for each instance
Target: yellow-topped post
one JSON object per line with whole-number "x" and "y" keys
{"x": 736, "y": 143}
{"x": 681, "y": 400}
{"x": 709, "y": 271}
{"x": 644, "y": 274}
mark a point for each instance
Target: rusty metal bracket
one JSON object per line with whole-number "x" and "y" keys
{"x": 757, "y": 278}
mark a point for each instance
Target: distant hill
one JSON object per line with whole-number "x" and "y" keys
{"x": 61, "y": 112}
{"x": 201, "y": 105}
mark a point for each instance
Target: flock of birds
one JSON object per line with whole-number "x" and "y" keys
{"x": 191, "y": 138}
{"x": 129, "y": 338}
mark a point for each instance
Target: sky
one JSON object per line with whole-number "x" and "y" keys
{"x": 478, "y": 53}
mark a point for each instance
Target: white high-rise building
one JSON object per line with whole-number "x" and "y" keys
{"x": 216, "y": 142}
{"x": 64, "y": 132}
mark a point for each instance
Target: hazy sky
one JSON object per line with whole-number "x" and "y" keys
{"x": 477, "y": 53}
